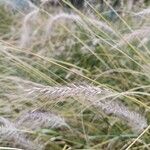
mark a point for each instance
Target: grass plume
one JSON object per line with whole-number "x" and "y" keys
{"x": 95, "y": 96}
{"x": 40, "y": 119}
{"x": 9, "y": 133}
{"x": 46, "y": 47}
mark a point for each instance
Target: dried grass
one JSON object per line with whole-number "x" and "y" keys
{"x": 26, "y": 31}
{"x": 76, "y": 18}
{"x": 9, "y": 133}
{"x": 40, "y": 119}
{"x": 98, "y": 97}
{"x": 136, "y": 34}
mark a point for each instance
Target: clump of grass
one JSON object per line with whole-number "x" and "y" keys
{"x": 35, "y": 82}
{"x": 27, "y": 33}
{"x": 9, "y": 133}
{"x": 92, "y": 96}
{"x": 137, "y": 34}
{"x": 81, "y": 21}
{"x": 40, "y": 119}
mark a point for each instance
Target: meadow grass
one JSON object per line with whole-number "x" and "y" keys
{"x": 75, "y": 79}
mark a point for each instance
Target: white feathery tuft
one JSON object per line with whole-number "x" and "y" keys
{"x": 76, "y": 18}
{"x": 26, "y": 35}
{"x": 97, "y": 97}
{"x": 9, "y": 133}
{"x": 137, "y": 34}
{"x": 40, "y": 119}
{"x": 100, "y": 98}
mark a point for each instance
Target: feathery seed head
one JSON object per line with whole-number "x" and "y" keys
{"x": 99, "y": 98}
{"x": 40, "y": 119}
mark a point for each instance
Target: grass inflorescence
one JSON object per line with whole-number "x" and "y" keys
{"x": 74, "y": 78}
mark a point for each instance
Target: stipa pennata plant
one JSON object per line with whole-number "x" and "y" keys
{"x": 10, "y": 134}
{"x": 27, "y": 30}
{"x": 17, "y": 96}
{"x": 97, "y": 97}
{"x": 40, "y": 119}
{"x": 83, "y": 21}
{"x": 138, "y": 34}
